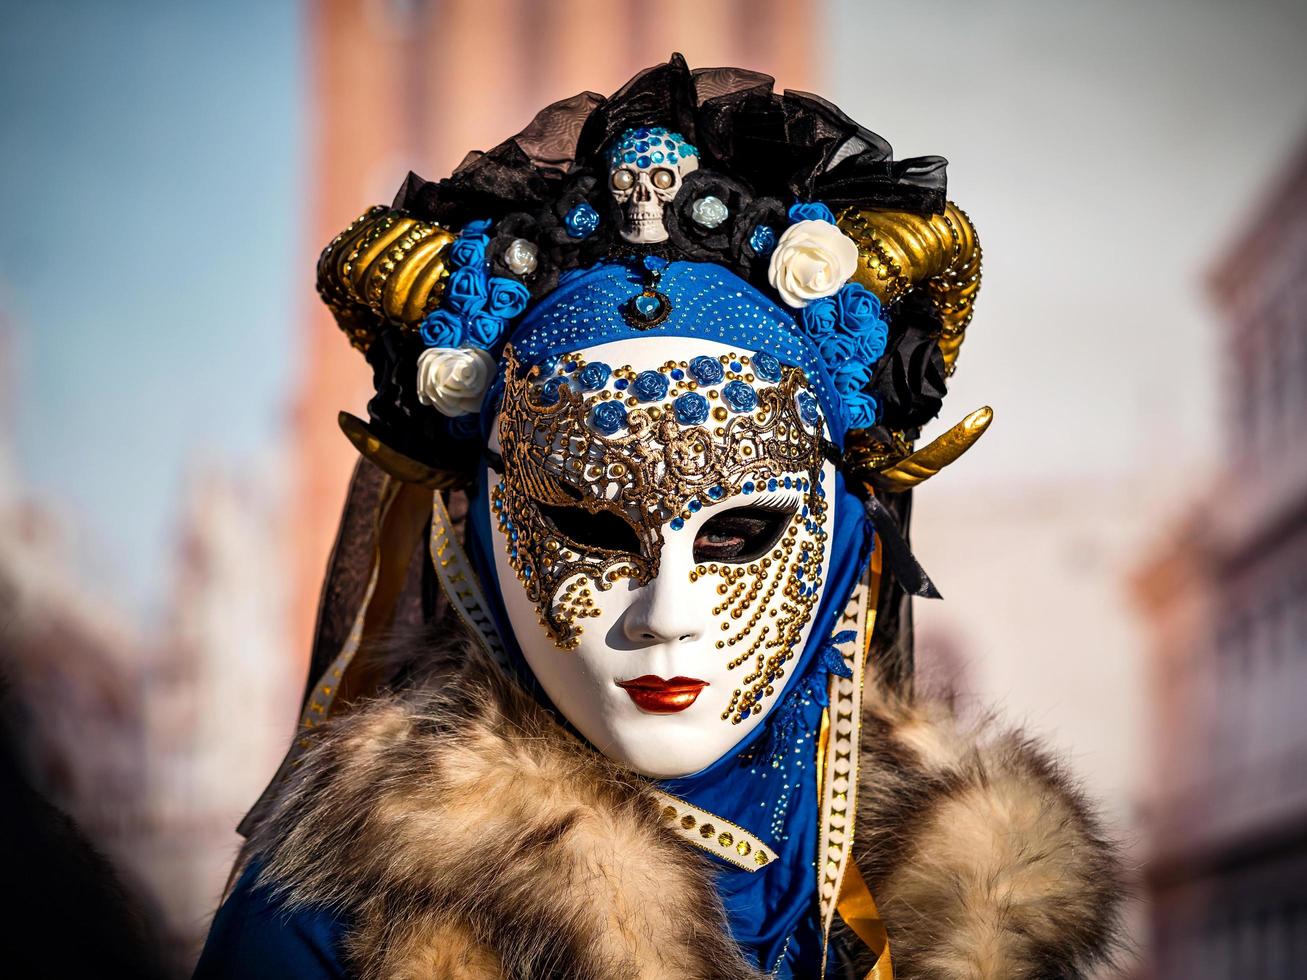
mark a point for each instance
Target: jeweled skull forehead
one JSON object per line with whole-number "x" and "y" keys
{"x": 649, "y": 146}
{"x": 658, "y": 441}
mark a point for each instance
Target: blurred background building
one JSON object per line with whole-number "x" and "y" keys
{"x": 1225, "y": 596}
{"x": 171, "y": 472}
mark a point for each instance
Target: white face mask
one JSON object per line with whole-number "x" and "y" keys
{"x": 661, "y": 551}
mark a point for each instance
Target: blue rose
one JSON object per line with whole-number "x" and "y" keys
{"x": 608, "y": 417}
{"x": 820, "y": 317}
{"x": 468, "y": 251}
{"x": 809, "y": 410}
{"x": 766, "y": 367}
{"x": 811, "y": 211}
{"x": 505, "y": 297}
{"x": 851, "y": 375}
{"x": 479, "y": 227}
{"x": 763, "y": 240}
{"x": 691, "y": 408}
{"x": 739, "y": 397}
{"x": 549, "y": 391}
{"x": 484, "y": 330}
{"x": 465, "y": 292}
{"x": 860, "y": 317}
{"x": 861, "y": 409}
{"x": 581, "y": 222}
{"x": 594, "y": 375}
{"x": 442, "y": 328}
{"x": 836, "y": 346}
{"x": 706, "y": 370}
{"x": 650, "y": 386}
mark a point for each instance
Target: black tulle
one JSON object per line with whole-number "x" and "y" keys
{"x": 759, "y": 151}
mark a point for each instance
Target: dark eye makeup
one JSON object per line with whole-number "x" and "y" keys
{"x": 741, "y": 534}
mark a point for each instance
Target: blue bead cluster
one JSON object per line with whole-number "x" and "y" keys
{"x": 649, "y": 146}
{"x": 476, "y": 307}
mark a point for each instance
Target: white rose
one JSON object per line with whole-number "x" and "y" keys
{"x": 452, "y": 380}
{"x": 812, "y": 259}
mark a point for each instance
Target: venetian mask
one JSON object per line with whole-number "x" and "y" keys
{"x": 646, "y": 167}
{"x": 661, "y": 531}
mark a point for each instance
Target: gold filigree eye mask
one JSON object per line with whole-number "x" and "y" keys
{"x": 598, "y": 464}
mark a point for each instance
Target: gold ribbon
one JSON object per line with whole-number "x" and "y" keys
{"x": 858, "y": 910}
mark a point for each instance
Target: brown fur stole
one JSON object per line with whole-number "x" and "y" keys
{"x": 467, "y": 835}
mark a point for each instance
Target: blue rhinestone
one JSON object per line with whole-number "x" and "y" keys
{"x": 715, "y": 492}
{"x": 677, "y": 374}
{"x": 570, "y": 366}
{"x": 693, "y": 506}
{"x": 788, "y": 483}
{"x": 671, "y": 158}
{"x": 736, "y": 366}
{"x": 655, "y": 140}
{"x": 629, "y": 156}
{"x": 620, "y": 384}
{"x": 648, "y": 307}
{"x": 677, "y": 523}
{"x": 642, "y": 162}
{"x": 748, "y": 486}
{"x": 656, "y": 156}
{"x": 642, "y": 146}
{"x": 526, "y": 572}
{"x": 771, "y": 484}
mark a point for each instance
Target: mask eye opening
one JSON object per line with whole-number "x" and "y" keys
{"x": 742, "y": 534}
{"x": 601, "y": 531}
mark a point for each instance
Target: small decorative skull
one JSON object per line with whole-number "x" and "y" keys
{"x": 646, "y": 167}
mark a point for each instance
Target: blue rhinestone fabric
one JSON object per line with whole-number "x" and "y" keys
{"x": 708, "y": 303}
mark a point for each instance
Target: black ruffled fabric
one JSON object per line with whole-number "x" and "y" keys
{"x": 910, "y": 381}
{"x": 759, "y": 151}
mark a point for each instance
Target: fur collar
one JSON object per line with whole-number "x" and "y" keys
{"x": 467, "y": 835}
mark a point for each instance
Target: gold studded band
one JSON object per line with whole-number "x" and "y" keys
{"x": 459, "y": 582}
{"x": 711, "y": 833}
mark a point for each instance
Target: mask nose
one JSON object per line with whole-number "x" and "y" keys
{"x": 662, "y": 613}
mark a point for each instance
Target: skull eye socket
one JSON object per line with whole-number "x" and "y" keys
{"x": 622, "y": 180}
{"x": 663, "y": 178}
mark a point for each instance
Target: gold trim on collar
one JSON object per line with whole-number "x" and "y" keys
{"x": 714, "y": 834}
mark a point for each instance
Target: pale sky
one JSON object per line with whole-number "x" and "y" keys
{"x": 151, "y": 243}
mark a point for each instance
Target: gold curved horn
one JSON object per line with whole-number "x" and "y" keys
{"x": 392, "y": 461}
{"x": 385, "y": 266}
{"x": 899, "y": 252}
{"x": 875, "y": 465}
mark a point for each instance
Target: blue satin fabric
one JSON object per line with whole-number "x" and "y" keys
{"x": 255, "y": 937}
{"x": 769, "y": 789}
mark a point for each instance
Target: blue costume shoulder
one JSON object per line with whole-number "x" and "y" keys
{"x": 254, "y": 936}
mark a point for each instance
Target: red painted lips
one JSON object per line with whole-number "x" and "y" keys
{"x": 659, "y": 697}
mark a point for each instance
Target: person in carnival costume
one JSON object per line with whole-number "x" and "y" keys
{"x": 613, "y": 670}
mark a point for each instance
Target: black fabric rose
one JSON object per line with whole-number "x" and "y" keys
{"x": 749, "y": 261}
{"x": 910, "y": 382}
{"x": 694, "y": 240}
